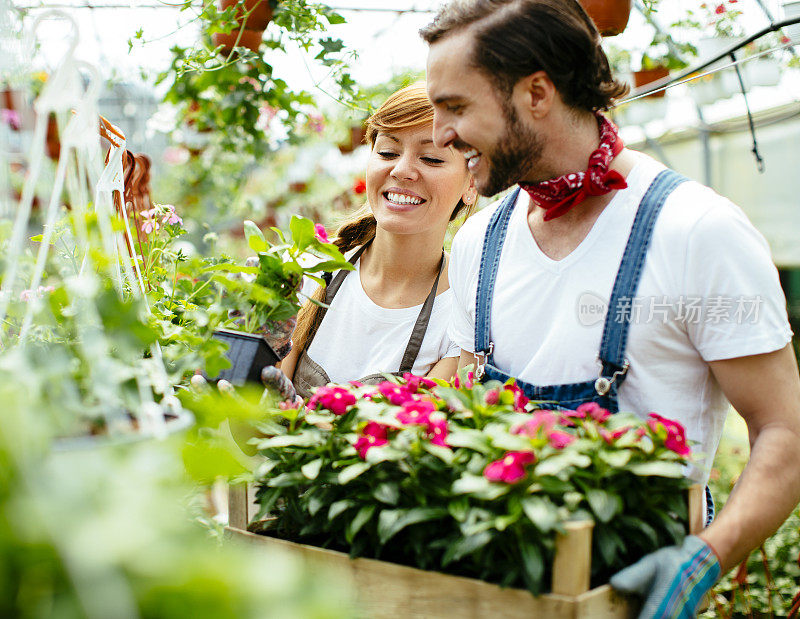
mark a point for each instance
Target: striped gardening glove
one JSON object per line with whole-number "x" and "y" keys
{"x": 273, "y": 378}
{"x": 672, "y": 580}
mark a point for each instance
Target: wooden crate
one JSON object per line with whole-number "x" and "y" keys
{"x": 386, "y": 590}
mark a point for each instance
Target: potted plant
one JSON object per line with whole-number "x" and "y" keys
{"x": 610, "y": 16}
{"x": 248, "y": 23}
{"x": 470, "y": 480}
{"x": 263, "y": 295}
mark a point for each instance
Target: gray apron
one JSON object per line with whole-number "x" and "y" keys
{"x": 309, "y": 375}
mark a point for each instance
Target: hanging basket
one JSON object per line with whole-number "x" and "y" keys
{"x": 254, "y": 15}
{"x": 648, "y": 76}
{"x": 610, "y": 16}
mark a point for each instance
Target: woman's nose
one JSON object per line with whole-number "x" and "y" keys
{"x": 405, "y": 168}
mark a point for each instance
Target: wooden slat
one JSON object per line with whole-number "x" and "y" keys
{"x": 387, "y": 590}
{"x": 572, "y": 565}
{"x": 238, "y": 515}
{"x": 696, "y": 515}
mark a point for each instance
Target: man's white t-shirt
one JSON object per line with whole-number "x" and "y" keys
{"x": 708, "y": 291}
{"x": 357, "y": 337}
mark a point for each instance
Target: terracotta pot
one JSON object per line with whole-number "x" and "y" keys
{"x": 610, "y": 16}
{"x": 251, "y": 39}
{"x": 357, "y": 135}
{"x": 260, "y": 13}
{"x": 648, "y": 76}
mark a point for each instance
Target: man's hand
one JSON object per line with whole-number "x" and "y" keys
{"x": 672, "y": 580}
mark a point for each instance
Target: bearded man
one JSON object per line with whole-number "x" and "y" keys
{"x": 605, "y": 277}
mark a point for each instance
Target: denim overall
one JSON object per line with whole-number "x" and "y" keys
{"x": 604, "y": 388}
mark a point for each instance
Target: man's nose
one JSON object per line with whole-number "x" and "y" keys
{"x": 443, "y": 133}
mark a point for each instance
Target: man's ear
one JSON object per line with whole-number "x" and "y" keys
{"x": 536, "y": 94}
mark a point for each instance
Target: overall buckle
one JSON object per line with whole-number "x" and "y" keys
{"x": 480, "y": 367}
{"x": 603, "y": 385}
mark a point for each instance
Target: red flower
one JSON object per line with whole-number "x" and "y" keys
{"x": 720, "y": 9}
{"x": 373, "y": 434}
{"x": 468, "y": 384}
{"x": 567, "y": 417}
{"x": 785, "y": 39}
{"x": 416, "y": 412}
{"x": 676, "y": 435}
{"x": 359, "y": 186}
{"x": 320, "y": 234}
{"x": 559, "y": 439}
{"x": 437, "y": 432}
{"x": 510, "y": 468}
{"x": 415, "y": 382}
{"x": 610, "y": 437}
{"x": 335, "y": 399}
{"x": 396, "y": 394}
{"x": 520, "y": 401}
{"x": 595, "y": 411}
{"x": 540, "y": 420}
{"x": 492, "y": 397}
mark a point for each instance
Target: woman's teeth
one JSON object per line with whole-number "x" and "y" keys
{"x": 473, "y": 157}
{"x": 399, "y": 198}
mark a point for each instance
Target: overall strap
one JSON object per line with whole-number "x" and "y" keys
{"x": 618, "y": 318}
{"x": 487, "y": 274}
{"x": 330, "y": 291}
{"x": 421, "y": 326}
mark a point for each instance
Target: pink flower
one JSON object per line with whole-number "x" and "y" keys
{"x": 335, "y": 399}
{"x": 416, "y": 412}
{"x": 355, "y": 383}
{"x": 170, "y": 216}
{"x": 595, "y": 411}
{"x": 510, "y": 468}
{"x": 316, "y": 122}
{"x": 567, "y": 417}
{"x": 396, "y": 394}
{"x": 320, "y": 234}
{"x": 437, "y": 432}
{"x": 720, "y": 9}
{"x": 468, "y": 383}
{"x": 359, "y": 186}
{"x": 27, "y": 295}
{"x": 540, "y": 420}
{"x": 415, "y": 382}
{"x": 174, "y": 155}
{"x": 610, "y": 437}
{"x": 492, "y": 397}
{"x": 373, "y": 434}
{"x": 11, "y": 118}
{"x": 559, "y": 439}
{"x": 149, "y": 221}
{"x": 676, "y": 434}
{"x": 520, "y": 401}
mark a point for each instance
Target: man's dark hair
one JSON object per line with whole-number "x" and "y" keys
{"x": 515, "y": 38}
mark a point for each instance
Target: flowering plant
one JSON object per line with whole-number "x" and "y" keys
{"x": 470, "y": 479}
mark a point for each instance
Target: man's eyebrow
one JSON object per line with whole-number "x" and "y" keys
{"x": 445, "y": 98}
{"x": 426, "y": 142}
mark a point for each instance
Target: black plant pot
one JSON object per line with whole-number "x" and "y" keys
{"x": 247, "y": 353}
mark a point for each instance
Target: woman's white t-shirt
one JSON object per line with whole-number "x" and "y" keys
{"x": 357, "y": 337}
{"x": 708, "y": 291}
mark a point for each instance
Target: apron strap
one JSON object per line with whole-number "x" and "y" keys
{"x": 330, "y": 291}
{"x": 620, "y": 306}
{"x": 421, "y": 326}
{"x": 487, "y": 274}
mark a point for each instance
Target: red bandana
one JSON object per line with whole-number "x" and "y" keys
{"x": 559, "y": 195}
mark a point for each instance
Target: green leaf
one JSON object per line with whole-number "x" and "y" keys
{"x": 607, "y": 543}
{"x": 541, "y": 511}
{"x": 604, "y": 504}
{"x": 560, "y": 464}
{"x": 286, "y": 479}
{"x": 458, "y": 508}
{"x": 338, "y": 507}
{"x": 356, "y": 524}
{"x": 658, "y": 469}
{"x": 480, "y": 487}
{"x": 466, "y": 545}
{"x": 255, "y": 238}
{"x": 304, "y": 439}
{"x": 311, "y": 469}
{"x": 533, "y": 565}
{"x": 302, "y": 231}
{"x": 470, "y": 439}
{"x": 392, "y": 521}
{"x": 349, "y": 473}
{"x": 616, "y": 459}
{"x": 443, "y": 453}
{"x": 387, "y": 492}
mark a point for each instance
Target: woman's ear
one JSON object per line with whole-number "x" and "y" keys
{"x": 471, "y": 194}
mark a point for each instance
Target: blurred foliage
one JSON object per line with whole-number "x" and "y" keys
{"x": 770, "y": 578}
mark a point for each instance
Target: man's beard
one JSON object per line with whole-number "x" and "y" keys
{"x": 516, "y": 154}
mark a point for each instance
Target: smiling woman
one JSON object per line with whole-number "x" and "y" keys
{"x": 391, "y": 315}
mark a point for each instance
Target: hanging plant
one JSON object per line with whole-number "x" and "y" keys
{"x": 610, "y": 16}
